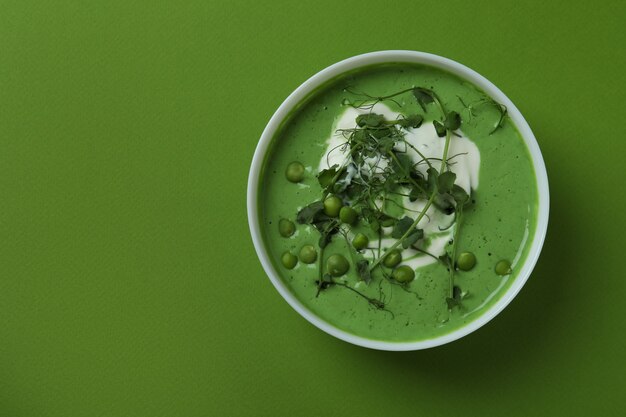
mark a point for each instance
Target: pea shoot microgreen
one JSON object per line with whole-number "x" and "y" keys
{"x": 370, "y": 186}
{"x": 471, "y": 110}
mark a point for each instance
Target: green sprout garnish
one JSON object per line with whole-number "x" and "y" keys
{"x": 357, "y": 190}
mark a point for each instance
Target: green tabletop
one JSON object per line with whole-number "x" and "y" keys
{"x": 129, "y": 285}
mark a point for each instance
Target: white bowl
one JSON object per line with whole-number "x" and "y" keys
{"x": 409, "y": 57}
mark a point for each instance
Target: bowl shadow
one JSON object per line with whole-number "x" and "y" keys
{"x": 523, "y": 330}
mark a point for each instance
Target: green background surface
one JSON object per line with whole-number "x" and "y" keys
{"x": 129, "y": 285}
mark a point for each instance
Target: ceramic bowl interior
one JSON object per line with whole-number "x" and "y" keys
{"x": 399, "y": 57}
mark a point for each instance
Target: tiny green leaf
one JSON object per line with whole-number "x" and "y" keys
{"x": 380, "y": 132}
{"x": 358, "y": 136}
{"x": 423, "y": 97}
{"x": 309, "y": 213}
{"x": 413, "y": 120}
{"x": 451, "y": 303}
{"x": 412, "y": 238}
{"x": 439, "y": 128}
{"x": 446, "y": 181}
{"x": 459, "y": 195}
{"x": 385, "y": 144}
{"x": 433, "y": 178}
{"x": 363, "y": 270}
{"x": 343, "y": 181}
{"x": 370, "y": 216}
{"x": 401, "y": 227}
{"x": 414, "y": 193}
{"x": 453, "y": 121}
{"x": 402, "y": 164}
{"x": 457, "y": 296}
{"x": 370, "y": 119}
{"x": 328, "y": 228}
{"x": 444, "y": 203}
{"x": 325, "y": 177}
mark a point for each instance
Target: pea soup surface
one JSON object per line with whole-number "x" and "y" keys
{"x": 413, "y": 299}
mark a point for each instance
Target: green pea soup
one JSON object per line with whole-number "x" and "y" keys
{"x": 498, "y": 224}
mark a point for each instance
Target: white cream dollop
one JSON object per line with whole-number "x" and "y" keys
{"x": 464, "y": 161}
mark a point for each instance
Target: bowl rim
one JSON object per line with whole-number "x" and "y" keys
{"x": 398, "y": 56}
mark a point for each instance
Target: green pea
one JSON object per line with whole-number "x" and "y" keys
{"x": 392, "y": 259}
{"x": 286, "y": 228}
{"x": 332, "y": 206}
{"x": 347, "y": 215}
{"x": 308, "y": 254}
{"x": 289, "y": 260}
{"x": 295, "y": 172}
{"x": 503, "y": 268}
{"x": 466, "y": 261}
{"x": 337, "y": 265}
{"x": 360, "y": 241}
{"x": 403, "y": 274}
